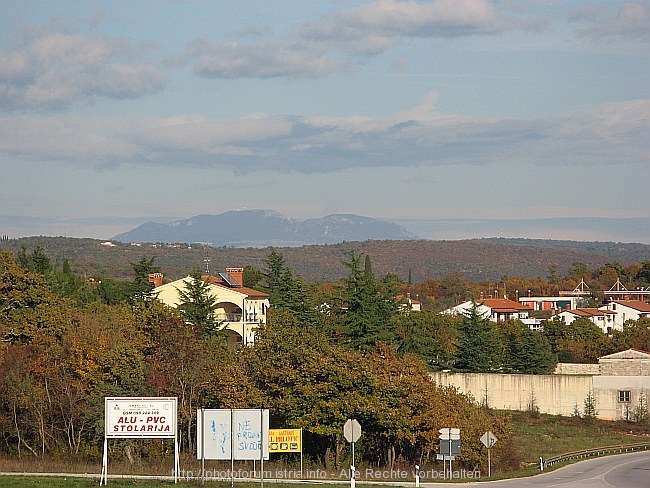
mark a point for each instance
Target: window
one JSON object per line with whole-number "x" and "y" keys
{"x": 624, "y": 396}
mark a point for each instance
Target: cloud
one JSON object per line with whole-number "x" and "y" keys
{"x": 632, "y": 21}
{"x": 268, "y": 59}
{"x": 607, "y": 135}
{"x": 390, "y": 18}
{"x": 325, "y": 45}
{"x": 49, "y": 70}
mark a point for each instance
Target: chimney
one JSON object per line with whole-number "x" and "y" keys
{"x": 156, "y": 279}
{"x": 236, "y": 275}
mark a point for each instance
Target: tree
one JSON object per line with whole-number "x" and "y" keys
{"x": 525, "y": 351}
{"x": 428, "y": 335}
{"x": 310, "y": 382}
{"x": 142, "y": 269}
{"x": 643, "y": 274}
{"x": 453, "y": 289}
{"x": 26, "y": 304}
{"x": 36, "y": 262}
{"x": 590, "y": 412}
{"x": 580, "y": 341}
{"x": 197, "y": 304}
{"x": 367, "y": 308}
{"x": 285, "y": 291}
{"x": 186, "y": 363}
{"x": 635, "y": 334}
{"x": 478, "y": 349}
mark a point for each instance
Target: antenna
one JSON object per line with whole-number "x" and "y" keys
{"x": 206, "y": 260}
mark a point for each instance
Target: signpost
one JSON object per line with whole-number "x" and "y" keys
{"x": 352, "y": 432}
{"x": 139, "y": 417}
{"x": 489, "y": 439}
{"x": 449, "y": 447}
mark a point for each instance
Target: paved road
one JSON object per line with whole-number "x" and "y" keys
{"x": 620, "y": 471}
{"x": 623, "y": 470}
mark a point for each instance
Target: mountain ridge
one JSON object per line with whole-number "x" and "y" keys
{"x": 263, "y": 228}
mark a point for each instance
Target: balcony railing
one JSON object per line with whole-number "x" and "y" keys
{"x": 237, "y": 317}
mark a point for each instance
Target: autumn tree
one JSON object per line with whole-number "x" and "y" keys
{"x": 311, "y": 383}
{"x": 26, "y": 304}
{"x": 581, "y": 341}
{"x": 186, "y": 363}
{"x": 635, "y": 334}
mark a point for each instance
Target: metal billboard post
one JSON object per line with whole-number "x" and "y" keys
{"x": 202, "y": 448}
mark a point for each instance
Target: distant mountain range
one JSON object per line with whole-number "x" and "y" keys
{"x": 263, "y": 228}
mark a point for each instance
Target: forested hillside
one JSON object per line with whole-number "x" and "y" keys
{"x": 476, "y": 260}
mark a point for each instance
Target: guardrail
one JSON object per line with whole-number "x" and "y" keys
{"x": 599, "y": 451}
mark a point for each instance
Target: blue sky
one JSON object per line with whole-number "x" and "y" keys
{"x": 117, "y": 112}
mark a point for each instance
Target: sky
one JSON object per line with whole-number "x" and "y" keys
{"x": 113, "y": 113}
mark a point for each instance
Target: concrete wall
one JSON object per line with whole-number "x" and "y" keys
{"x": 552, "y": 394}
{"x": 577, "y": 368}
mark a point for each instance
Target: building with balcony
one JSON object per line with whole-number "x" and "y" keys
{"x": 240, "y": 310}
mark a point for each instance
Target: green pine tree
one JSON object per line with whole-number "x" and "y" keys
{"x": 197, "y": 304}
{"x": 477, "y": 351}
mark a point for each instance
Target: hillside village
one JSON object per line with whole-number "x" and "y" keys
{"x": 580, "y": 351}
{"x": 618, "y": 382}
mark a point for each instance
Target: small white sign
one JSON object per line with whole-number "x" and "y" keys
{"x": 149, "y": 417}
{"x": 489, "y": 439}
{"x": 448, "y": 433}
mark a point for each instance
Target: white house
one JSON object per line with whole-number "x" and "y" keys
{"x": 239, "y": 309}
{"x": 496, "y": 309}
{"x": 604, "y": 319}
{"x": 627, "y": 310}
{"x": 408, "y": 304}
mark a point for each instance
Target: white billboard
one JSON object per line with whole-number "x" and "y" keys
{"x": 241, "y": 434}
{"x": 143, "y": 417}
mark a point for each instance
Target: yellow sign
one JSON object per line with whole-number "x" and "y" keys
{"x": 285, "y": 440}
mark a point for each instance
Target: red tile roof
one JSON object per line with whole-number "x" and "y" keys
{"x": 504, "y": 305}
{"x": 635, "y": 304}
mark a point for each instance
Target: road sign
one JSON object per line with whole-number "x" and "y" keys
{"x": 449, "y": 433}
{"x": 444, "y": 457}
{"x": 352, "y": 430}
{"x": 489, "y": 439}
{"x": 450, "y": 447}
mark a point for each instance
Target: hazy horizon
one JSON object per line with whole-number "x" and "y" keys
{"x": 585, "y": 229}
